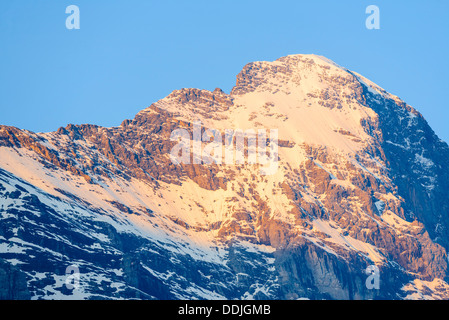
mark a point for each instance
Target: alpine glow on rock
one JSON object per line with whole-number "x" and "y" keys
{"x": 359, "y": 191}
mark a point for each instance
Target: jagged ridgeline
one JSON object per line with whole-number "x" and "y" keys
{"x": 361, "y": 183}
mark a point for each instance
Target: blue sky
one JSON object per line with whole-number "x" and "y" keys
{"x": 129, "y": 54}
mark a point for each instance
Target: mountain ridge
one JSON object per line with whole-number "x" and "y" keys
{"x": 340, "y": 201}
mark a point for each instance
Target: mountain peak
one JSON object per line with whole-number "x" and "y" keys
{"x": 360, "y": 184}
{"x": 285, "y": 72}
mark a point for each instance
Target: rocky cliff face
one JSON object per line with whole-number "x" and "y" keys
{"x": 360, "y": 181}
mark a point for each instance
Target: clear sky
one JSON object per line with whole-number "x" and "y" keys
{"x": 129, "y": 54}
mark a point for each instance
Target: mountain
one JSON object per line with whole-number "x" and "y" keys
{"x": 356, "y": 180}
